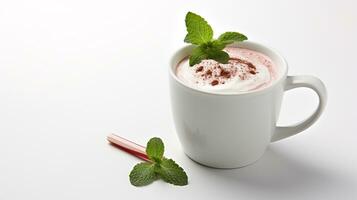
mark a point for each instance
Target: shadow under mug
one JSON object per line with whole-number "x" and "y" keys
{"x": 234, "y": 130}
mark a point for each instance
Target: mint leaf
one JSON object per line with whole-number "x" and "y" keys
{"x": 142, "y": 174}
{"x": 207, "y": 51}
{"x": 198, "y": 30}
{"x": 219, "y": 56}
{"x": 200, "y": 53}
{"x": 197, "y": 56}
{"x": 218, "y": 45}
{"x": 230, "y": 37}
{"x": 212, "y": 46}
{"x": 171, "y": 172}
{"x": 155, "y": 149}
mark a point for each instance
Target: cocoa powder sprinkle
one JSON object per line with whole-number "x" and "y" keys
{"x": 225, "y": 73}
{"x": 215, "y": 73}
{"x": 214, "y": 82}
{"x": 200, "y": 68}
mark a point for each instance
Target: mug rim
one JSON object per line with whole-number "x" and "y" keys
{"x": 245, "y": 44}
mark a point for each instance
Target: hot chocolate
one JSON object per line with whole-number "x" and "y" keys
{"x": 246, "y": 70}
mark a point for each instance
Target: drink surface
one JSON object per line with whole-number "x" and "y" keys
{"x": 247, "y": 70}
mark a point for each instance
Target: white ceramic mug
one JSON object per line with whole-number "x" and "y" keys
{"x": 234, "y": 130}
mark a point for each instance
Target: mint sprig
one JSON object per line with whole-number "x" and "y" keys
{"x": 200, "y": 33}
{"x": 159, "y": 167}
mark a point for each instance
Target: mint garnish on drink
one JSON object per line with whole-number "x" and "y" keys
{"x": 159, "y": 167}
{"x": 200, "y": 33}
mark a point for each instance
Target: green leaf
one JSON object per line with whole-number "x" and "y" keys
{"x": 197, "y": 56}
{"x": 171, "y": 172}
{"x": 212, "y": 46}
{"x": 218, "y": 45}
{"x": 198, "y": 30}
{"x": 230, "y": 37}
{"x": 219, "y": 56}
{"x": 155, "y": 149}
{"x": 142, "y": 174}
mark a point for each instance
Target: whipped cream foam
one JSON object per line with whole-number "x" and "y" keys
{"x": 247, "y": 70}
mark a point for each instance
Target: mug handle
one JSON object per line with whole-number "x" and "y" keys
{"x": 313, "y": 83}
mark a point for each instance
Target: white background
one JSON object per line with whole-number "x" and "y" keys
{"x": 73, "y": 71}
